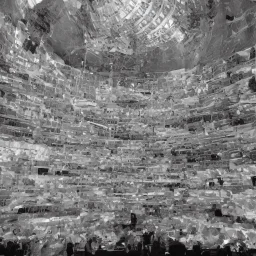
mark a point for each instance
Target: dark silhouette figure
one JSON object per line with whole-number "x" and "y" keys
{"x": 224, "y": 252}
{"x": 252, "y": 84}
{"x": 145, "y": 251}
{"x": 206, "y": 253}
{"x": 242, "y": 251}
{"x": 88, "y": 248}
{"x": 10, "y": 249}
{"x": 2, "y": 247}
{"x": 177, "y": 249}
{"x": 100, "y": 252}
{"x": 70, "y": 249}
{"x": 147, "y": 237}
{"x": 131, "y": 252}
{"x": 228, "y": 251}
{"x": 155, "y": 250}
{"x": 196, "y": 250}
{"x": 139, "y": 249}
{"x": 252, "y": 53}
{"x": 119, "y": 244}
{"x": 162, "y": 248}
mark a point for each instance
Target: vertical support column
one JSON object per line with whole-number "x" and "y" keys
{"x": 1, "y": 178}
{"x": 77, "y": 84}
{"x": 255, "y": 61}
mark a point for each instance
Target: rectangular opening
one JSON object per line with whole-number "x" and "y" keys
{"x": 42, "y": 171}
{"x": 65, "y": 173}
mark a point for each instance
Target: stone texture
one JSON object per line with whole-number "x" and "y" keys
{"x": 210, "y": 44}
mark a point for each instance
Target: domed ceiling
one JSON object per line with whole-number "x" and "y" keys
{"x": 136, "y": 35}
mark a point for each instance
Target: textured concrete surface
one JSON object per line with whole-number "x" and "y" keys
{"x": 221, "y": 41}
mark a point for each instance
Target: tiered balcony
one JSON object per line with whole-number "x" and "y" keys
{"x": 151, "y": 21}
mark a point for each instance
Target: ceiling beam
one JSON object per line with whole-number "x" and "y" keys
{"x": 164, "y": 20}
{"x": 153, "y": 20}
{"x": 136, "y": 8}
{"x": 145, "y": 14}
{"x": 125, "y": 4}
